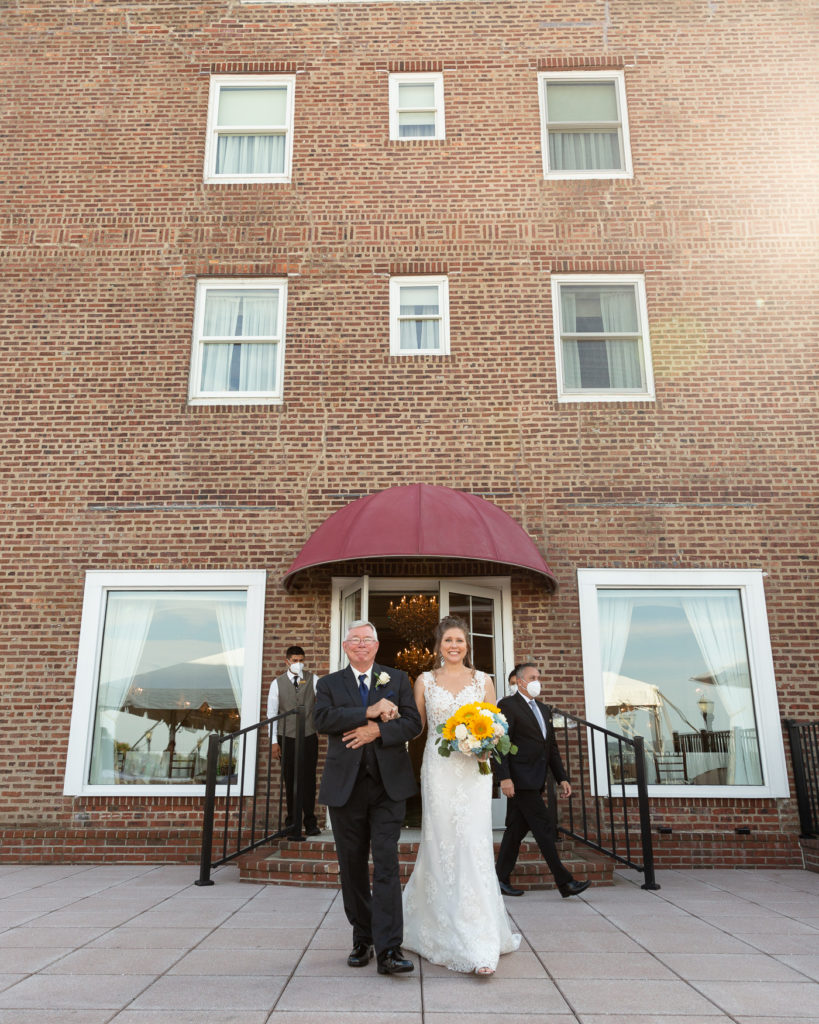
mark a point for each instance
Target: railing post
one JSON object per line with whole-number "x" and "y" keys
{"x": 214, "y": 744}
{"x": 298, "y": 758}
{"x": 800, "y": 779}
{"x": 645, "y": 814}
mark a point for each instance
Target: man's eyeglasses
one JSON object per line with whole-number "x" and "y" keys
{"x": 357, "y": 641}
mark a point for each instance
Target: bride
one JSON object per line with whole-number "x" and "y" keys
{"x": 453, "y": 909}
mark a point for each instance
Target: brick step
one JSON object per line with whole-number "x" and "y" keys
{"x": 313, "y": 863}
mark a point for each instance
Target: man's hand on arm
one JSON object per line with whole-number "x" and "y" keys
{"x": 359, "y": 737}
{"x": 384, "y": 709}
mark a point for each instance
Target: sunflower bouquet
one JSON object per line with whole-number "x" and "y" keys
{"x": 479, "y": 730}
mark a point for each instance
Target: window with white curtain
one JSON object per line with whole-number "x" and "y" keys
{"x": 250, "y": 128}
{"x": 419, "y": 316}
{"x": 417, "y": 106}
{"x": 683, "y": 659}
{"x": 238, "y": 341}
{"x": 165, "y": 658}
{"x": 602, "y": 347}
{"x": 584, "y": 125}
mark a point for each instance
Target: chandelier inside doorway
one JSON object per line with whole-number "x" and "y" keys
{"x": 414, "y": 619}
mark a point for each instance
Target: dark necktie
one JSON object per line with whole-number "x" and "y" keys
{"x": 296, "y": 681}
{"x": 363, "y": 689}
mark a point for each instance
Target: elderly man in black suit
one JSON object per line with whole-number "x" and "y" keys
{"x": 369, "y": 714}
{"x": 523, "y": 779}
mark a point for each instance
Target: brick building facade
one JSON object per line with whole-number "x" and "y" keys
{"x": 404, "y": 294}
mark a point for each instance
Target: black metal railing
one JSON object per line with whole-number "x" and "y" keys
{"x": 605, "y": 820}
{"x": 804, "y": 737}
{"x": 247, "y": 821}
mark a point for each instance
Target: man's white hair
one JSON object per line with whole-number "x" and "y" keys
{"x": 356, "y": 624}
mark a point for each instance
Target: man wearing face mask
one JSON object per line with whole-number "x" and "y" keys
{"x": 523, "y": 779}
{"x": 295, "y": 687}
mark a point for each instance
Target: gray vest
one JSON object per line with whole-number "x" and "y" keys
{"x": 290, "y": 697}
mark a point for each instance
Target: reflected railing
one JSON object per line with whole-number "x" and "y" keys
{"x": 247, "y": 820}
{"x": 603, "y": 817}
{"x": 804, "y": 738}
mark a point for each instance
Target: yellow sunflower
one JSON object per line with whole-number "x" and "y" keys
{"x": 481, "y": 727}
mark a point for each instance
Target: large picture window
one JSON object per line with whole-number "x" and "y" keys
{"x": 682, "y": 658}
{"x": 584, "y": 125}
{"x": 602, "y": 347}
{"x": 165, "y": 659}
{"x": 250, "y": 129}
{"x": 238, "y": 342}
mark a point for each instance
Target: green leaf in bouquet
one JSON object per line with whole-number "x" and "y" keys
{"x": 444, "y": 751}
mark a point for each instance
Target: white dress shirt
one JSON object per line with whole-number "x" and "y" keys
{"x": 273, "y": 702}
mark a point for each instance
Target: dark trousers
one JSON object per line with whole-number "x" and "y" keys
{"x": 526, "y": 812}
{"x": 308, "y": 778}
{"x": 370, "y": 821}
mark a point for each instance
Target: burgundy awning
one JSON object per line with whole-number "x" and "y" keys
{"x": 421, "y": 521}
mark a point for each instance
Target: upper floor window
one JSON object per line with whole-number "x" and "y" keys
{"x": 419, "y": 316}
{"x": 584, "y": 125}
{"x": 250, "y": 128}
{"x": 602, "y": 346}
{"x": 238, "y": 342}
{"x": 417, "y": 106}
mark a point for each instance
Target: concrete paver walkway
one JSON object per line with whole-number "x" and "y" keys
{"x": 140, "y": 944}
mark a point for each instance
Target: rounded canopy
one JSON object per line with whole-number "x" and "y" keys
{"x": 421, "y": 521}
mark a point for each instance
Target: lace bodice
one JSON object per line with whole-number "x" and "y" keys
{"x": 441, "y": 704}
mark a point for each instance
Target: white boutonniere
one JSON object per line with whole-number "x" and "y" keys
{"x": 382, "y": 679}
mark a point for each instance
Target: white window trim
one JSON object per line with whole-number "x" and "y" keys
{"x": 197, "y": 397}
{"x": 212, "y": 137}
{"x": 618, "y": 78}
{"x": 608, "y": 395}
{"x": 396, "y": 284}
{"x": 436, "y": 79}
{"x": 98, "y": 583}
{"x": 750, "y": 584}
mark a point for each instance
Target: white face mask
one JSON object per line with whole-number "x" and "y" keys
{"x": 297, "y": 668}
{"x": 533, "y": 688}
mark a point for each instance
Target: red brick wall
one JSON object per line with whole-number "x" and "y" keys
{"x": 106, "y": 225}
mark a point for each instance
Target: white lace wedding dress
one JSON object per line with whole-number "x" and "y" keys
{"x": 453, "y": 909}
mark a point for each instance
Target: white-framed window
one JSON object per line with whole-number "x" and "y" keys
{"x": 602, "y": 345}
{"x": 584, "y": 124}
{"x": 419, "y": 316}
{"x": 683, "y": 658}
{"x": 238, "y": 341}
{"x": 417, "y": 106}
{"x": 250, "y": 128}
{"x": 165, "y": 658}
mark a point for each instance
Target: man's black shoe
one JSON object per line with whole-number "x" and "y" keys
{"x": 573, "y": 888}
{"x": 312, "y": 831}
{"x": 508, "y": 890}
{"x": 393, "y": 961}
{"x": 360, "y": 955}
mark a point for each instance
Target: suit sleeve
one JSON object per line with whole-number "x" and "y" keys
{"x": 332, "y": 718}
{"x": 500, "y": 769}
{"x": 408, "y": 726}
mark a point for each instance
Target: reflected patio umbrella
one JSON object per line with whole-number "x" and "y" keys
{"x": 623, "y": 694}
{"x": 193, "y": 694}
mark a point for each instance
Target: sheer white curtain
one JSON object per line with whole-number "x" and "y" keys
{"x": 618, "y": 315}
{"x": 417, "y": 302}
{"x": 617, "y": 308}
{"x": 231, "y": 614}
{"x": 250, "y": 154}
{"x": 234, "y": 367}
{"x": 584, "y": 151}
{"x": 128, "y": 618}
{"x": 716, "y": 622}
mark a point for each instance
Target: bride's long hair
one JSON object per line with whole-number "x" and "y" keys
{"x": 452, "y": 622}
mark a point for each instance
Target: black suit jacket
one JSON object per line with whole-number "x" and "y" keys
{"x": 527, "y": 768}
{"x": 338, "y": 710}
